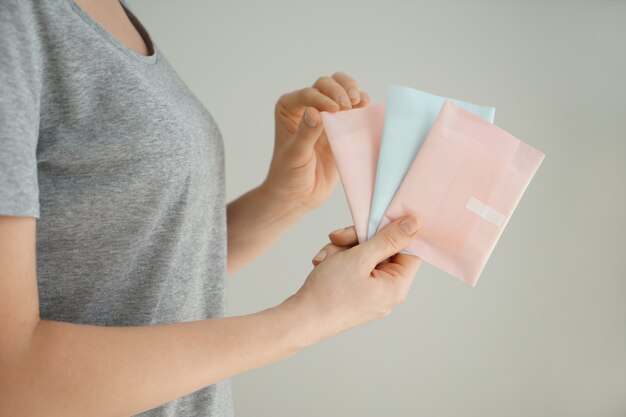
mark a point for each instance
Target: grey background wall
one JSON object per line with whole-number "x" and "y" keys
{"x": 544, "y": 332}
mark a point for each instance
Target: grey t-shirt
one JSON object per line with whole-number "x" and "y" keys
{"x": 124, "y": 169}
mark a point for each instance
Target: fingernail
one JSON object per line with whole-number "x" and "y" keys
{"x": 333, "y": 104}
{"x": 354, "y": 94}
{"x": 345, "y": 101}
{"x": 335, "y": 232}
{"x": 409, "y": 226}
{"x": 365, "y": 98}
{"x": 309, "y": 120}
{"x": 320, "y": 255}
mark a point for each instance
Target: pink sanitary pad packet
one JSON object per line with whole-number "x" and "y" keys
{"x": 354, "y": 138}
{"x": 464, "y": 185}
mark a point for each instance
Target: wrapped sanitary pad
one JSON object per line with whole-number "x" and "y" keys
{"x": 464, "y": 185}
{"x": 354, "y": 138}
{"x": 409, "y": 116}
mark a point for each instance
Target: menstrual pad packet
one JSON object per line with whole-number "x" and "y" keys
{"x": 409, "y": 116}
{"x": 464, "y": 185}
{"x": 354, "y": 138}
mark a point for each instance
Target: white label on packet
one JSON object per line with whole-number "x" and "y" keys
{"x": 490, "y": 214}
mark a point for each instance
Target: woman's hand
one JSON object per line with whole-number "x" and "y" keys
{"x": 354, "y": 284}
{"x": 340, "y": 240}
{"x": 302, "y": 172}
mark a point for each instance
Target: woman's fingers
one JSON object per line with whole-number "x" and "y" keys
{"x": 340, "y": 239}
{"x": 308, "y": 132}
{"x": 344, "y": 237}
{"x": 400, "y": 264}
{"x": 327, "y": 94}
{"x": 365, "y": 100}
{"x": 296, "y": 101}
{"x": 387, "y": 242}
{"x": 333, "y": 89}
{"x": 400, "y": 271}
{"x": 350, "y": 86}
{"x": 327, "y": 251}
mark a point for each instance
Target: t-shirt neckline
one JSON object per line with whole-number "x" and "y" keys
{"x": 148, "y": 59}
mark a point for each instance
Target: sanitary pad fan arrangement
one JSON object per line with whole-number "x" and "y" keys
{"x": 440, "y": 159}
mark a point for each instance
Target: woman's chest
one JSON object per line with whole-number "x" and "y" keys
{"x": 127, "y": 122}
{"x": 128, "y": 135}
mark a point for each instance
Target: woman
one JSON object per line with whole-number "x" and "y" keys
{"x": 115, "y": 239}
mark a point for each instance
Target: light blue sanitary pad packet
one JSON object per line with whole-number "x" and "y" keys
{"x": 409, "y": 115}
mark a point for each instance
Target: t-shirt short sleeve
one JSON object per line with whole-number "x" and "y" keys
{"x": 20, "y": 88}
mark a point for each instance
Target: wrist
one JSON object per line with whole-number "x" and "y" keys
{"x": 302, "y": 328}
{"x": 282, "y": 202}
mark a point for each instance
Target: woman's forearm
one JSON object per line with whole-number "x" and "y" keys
{"x": 255, "y": 221}
{"x": 78, "y": 370}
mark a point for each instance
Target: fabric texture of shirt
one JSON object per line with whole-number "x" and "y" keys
{"x": 123, "y": 168}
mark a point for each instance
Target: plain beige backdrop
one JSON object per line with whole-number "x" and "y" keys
{"x": 544, "y": 332}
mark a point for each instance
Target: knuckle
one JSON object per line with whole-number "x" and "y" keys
{"x": 308, "y": 92}
{"x": 395, "y": 293}
{"x": 281, "y": 99}
{"x": 284, "y": 99}
{"x": 338, "y": 74}
{"x": 392, "y": 241}
{"x": 322, "y": 80}
{"x": 400, "y": 297}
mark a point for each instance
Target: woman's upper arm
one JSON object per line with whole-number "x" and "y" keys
{"x": 20, "y": 94}
{"x": 19, "y": 298}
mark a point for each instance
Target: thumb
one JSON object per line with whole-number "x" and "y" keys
{"x": 390, "y": 240}
{"x": 309, "y": 130}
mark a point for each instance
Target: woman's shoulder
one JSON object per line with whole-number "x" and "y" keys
{"x": 23, "y": 25}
